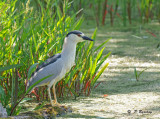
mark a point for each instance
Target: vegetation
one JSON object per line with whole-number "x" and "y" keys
{"x": 122, "y": 11}
{"x": 31, "y": 31}
{"x": 137, "y": 75}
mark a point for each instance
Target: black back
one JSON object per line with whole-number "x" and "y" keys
{"x": 47, "y": 62}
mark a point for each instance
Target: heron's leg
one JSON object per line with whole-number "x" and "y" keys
{"x": 54, "y": 93}
{"x": 49, "y": 93}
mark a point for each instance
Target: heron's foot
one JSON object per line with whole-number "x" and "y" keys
{"x": 55, "y": 103}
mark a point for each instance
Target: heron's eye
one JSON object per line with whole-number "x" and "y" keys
{"x": 79, "y": 35}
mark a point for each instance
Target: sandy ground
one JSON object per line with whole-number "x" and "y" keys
{"x": 120, "y": 95}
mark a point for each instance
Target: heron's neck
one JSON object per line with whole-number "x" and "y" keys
{"x": 69, "y": 49}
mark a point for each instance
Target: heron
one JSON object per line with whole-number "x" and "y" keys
{"x": 58, "y": 64}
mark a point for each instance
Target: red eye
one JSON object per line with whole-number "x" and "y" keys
{"x": 79, "y": 35}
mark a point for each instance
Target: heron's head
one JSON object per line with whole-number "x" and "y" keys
{"x": 77, "y": 36}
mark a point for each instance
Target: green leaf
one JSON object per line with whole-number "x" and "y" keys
{"x": 2, "y": 95}
{"x": 39, "y": 106}
{"x": 25, "y": 99}
{"x": 142, "y": 72}
{"x": 18, "y": 110}
{"x": 51, "y": 48}
{"x": 35, "y": 42}
{"x": 90, "y": 63}
{"x": 59, "y": 13}
{"x": 78, "y": 24}
{"x": 72, "y": 72}
{"x": 10, "y": 67}
{"x": 83, "y": 76}
{"x": 31, "y": 69}
{"x": 138, "y": 75}
{"x": 101, "y": 62}
{"x": 41, "y": 5}
{"x": 31, "y": 87}
{"x": 89, "y": 48}
{"x": 99, "y": 54}
{"x": 94, "y": 34}
{"x": 102, "y": 45}
{"x": 135, "y": 73}
{"x": 95, "y": 62}
{"x": 99, "y": 74}
{"x": 2, "y": 77}
{"x": 92, "y": 69}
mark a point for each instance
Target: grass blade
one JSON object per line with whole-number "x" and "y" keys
{"x": 102, "y": 45}
{"x": 99, "y": 74}
{"x": 10, "y": 67}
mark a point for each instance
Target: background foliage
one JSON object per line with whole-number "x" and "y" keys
{"x": 123, "y": 12}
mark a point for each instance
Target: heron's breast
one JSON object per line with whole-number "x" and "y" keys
{"x": 70, "y": 64}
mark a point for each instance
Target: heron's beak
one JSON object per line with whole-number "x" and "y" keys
{"x": 87, "y": 38}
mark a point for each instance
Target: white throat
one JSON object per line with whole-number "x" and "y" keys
{"x": 69, "y": 53}
{"x": 69, "y": 47}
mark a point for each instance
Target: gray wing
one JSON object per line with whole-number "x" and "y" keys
{"x": 47, "y": 62}
{"x": 51, "y": 66}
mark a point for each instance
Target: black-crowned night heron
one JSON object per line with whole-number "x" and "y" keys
{"x": 59, "y": 64}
